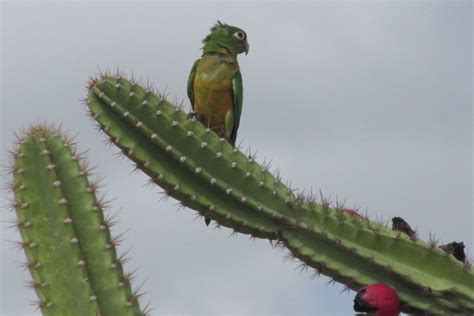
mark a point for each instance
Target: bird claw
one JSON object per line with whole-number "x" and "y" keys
{"x": 195, "y": 115}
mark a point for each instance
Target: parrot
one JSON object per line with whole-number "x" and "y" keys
{"x": 215, "y": 84}
{"x": 214, "y": 87}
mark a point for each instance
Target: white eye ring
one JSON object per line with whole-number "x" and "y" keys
{"x": 239, "y": 35}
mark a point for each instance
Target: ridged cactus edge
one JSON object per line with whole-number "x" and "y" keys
{"x": 204, "y": 172}
{"x": 66, "y": 237}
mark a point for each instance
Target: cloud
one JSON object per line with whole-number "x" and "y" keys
{"x": 369, "y": 101}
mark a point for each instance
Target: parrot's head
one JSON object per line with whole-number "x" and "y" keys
{"x": 228, "y": 37}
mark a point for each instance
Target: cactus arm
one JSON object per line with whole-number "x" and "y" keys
{"x": 103, "y": 265}
{"x": 73, "y": 263}
{"x": 239, "y": 193}
{"x": 180, "y": 182}
{"x": 330, "y": 257}
{"x": 54, "y": 259}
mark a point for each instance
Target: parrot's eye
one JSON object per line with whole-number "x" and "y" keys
{"x": 239, "y": 35}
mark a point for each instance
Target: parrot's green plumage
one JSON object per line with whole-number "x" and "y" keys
{"x": 215, "y": 84}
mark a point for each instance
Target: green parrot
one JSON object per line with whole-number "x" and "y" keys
{"x": 215, "y": 84}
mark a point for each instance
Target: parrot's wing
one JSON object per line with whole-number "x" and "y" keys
{"x": 192, "y": 74}
{"x": 238, "y": 90}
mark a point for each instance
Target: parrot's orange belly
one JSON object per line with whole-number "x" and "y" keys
{"x": 213, "y": 100}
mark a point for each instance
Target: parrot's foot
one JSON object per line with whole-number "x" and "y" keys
{"x": 219, "y": 130}
{"x": 195, "y": 115}
{"x": 207, "y": 220}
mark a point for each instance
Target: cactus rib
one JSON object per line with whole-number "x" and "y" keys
{"x": 205, "y": 173}
{"x": 71, "y": 254}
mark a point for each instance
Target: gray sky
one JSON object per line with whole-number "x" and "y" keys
{"x": 369, "y": 101}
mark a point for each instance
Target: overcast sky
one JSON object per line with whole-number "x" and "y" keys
{"x": 369, "y": 101}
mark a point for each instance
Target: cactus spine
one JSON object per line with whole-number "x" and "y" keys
{"x": 207, "y": 174}
{"x": 66, "y": 238}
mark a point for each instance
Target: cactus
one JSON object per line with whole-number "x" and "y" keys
{"x": 65, "y": 235}
{"x": 204, "y": 172}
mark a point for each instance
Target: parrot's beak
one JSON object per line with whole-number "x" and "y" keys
{"x": 246, "y": 47}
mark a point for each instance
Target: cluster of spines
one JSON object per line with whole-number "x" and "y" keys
{"x": 66, "y": 238}
{"x": 205, "y": 173}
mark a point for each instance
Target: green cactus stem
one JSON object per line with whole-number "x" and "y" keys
{"x": 193, "y": 165}
{"x": 71, "y": 254}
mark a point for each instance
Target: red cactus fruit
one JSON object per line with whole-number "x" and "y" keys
{"x": 377, "y": 299}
